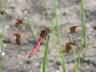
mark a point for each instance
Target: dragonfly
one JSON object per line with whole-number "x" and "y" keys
{"x": 44, "y": 33}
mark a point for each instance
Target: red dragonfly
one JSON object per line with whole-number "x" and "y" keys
{"x": 43, "y": 35}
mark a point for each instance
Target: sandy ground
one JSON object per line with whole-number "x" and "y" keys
{"x": 15, "y": 57}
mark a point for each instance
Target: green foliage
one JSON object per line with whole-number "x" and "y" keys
{"x": 2, "y": 35}
{"x": 45, "y": 55}
{"x": 83, "y": 38}
{"x": 31, "y": 26}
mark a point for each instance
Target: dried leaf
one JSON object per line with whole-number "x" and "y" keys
{"x": 68, "y": 47}
{"x": 18, "y": 36}
{"x": 74, "y": 29}
{"x": 18, "y": 22}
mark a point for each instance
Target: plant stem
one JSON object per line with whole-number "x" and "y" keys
{"x": 45, "y": 55}
{"x": 73, "y": 49}
{"x": 2, "y": 35}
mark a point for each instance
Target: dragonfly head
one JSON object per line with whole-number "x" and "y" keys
{"x": 45, "y": 32}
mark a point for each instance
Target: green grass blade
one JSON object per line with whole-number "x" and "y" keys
{"x": 54, "y": 38}
{"x": 74, "y": 53}
{"x": 32, "y": 30}
{"x": 83, "y": 34}
{"x": 79, "y": 52}
{"x": 83, "y": 23}
{"x": 45, "y": 55}
{"x": 70, "y": 36}
{"x": 2, "y": 35}
{"x": 58, "y": 35}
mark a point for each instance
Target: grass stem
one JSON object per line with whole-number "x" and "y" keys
{"x": 83, "y": 35}
{"x": 74, "y": 52}
{"x": 45, "y": 55}
{"x": 31, "y": 26}
{"x": 2, "y": 35}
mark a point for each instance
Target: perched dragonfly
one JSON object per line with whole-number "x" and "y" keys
{"x": 43, "y": 35}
